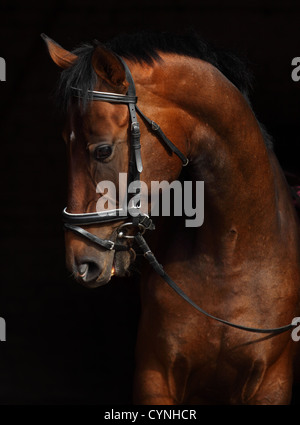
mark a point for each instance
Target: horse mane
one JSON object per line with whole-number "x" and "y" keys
{"x": 144, "y": 47}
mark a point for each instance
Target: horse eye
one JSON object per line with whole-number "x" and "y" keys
{"x": 102, "y": 152}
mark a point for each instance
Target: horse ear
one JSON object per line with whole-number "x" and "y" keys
{"x": 59, "y": 55}
{"x": 108, "y": 67}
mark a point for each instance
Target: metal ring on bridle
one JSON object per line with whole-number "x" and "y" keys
{"x": 142, "y": 230}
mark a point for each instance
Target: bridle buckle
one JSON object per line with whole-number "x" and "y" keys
{"x": 112, "y": 245}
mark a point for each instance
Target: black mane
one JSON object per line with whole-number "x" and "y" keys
{"x": 145, "y": 47}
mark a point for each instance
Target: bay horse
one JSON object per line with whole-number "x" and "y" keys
{"x": 240, "y": 268}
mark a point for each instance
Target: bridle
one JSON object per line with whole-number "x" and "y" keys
{"x": 139, "y": 220}
{"x": 136, "y": 217}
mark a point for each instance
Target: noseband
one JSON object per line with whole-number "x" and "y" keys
{"x": 139, "y": 220}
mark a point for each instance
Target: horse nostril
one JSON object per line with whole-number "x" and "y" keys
{"x": 82, "y": 269}
{"x": 88, "y": 271}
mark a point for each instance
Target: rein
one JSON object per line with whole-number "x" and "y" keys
{"x": 73, "y": 222}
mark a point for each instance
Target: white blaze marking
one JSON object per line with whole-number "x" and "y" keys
{"x": 72, "y": 136}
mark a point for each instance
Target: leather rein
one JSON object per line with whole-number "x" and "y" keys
{"x": 139, "y": 220}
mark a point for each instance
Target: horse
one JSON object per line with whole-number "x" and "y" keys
{"x": 217, "y": 299}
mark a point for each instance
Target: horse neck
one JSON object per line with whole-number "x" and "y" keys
{"x": 227, "y": 151}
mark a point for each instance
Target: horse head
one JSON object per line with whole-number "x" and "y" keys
{"x": 98, "y": 137}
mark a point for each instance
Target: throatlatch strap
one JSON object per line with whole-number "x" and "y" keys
{"x": 155, "y": 127}
{"x": 148, "y": 254}
{"x": 136, "y": 139}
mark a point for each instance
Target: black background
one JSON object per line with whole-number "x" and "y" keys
{"x": 67, "y": 344}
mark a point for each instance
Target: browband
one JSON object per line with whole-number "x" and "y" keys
{"x": 105, "y": 96}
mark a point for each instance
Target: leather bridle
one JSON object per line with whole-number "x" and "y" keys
{"x": 139, "y": 220}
